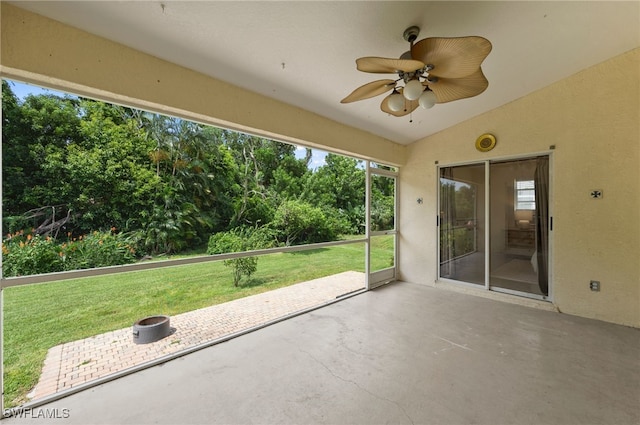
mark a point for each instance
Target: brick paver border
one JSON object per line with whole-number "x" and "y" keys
{"x": 78, "y": 362}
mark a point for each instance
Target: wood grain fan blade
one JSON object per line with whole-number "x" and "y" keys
{"x": 452, "y": 57}
{"x": 387, "y": 65}
{"x": 368, "y": 90}
{"x": 409, "y": 106}
{"x": 449, "y": 89}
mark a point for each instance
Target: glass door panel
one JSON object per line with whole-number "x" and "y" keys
{"x": 515, "y": 204}
{"x": 462, "y": 223}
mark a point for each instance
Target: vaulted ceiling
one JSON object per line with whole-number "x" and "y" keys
{"x": 303, "y": 53}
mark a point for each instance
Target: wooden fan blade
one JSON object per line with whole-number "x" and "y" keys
{"x": 387, "y": 65}
{"x": 452, "y": 57}
{"x": 409, "y": 106}
{"x": 449, "y": 89}
{"x": 368, "y": 90}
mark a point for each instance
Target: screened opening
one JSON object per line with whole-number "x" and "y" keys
{"x": 112, "y": 214}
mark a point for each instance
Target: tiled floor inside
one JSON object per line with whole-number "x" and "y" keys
{"x": 74, "y": 363}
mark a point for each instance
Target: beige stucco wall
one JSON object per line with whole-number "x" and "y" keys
{"x": 593, "y": 119}
{"x": 46, "y": 52}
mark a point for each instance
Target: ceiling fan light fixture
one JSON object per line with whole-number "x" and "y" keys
{"x": 427, "y": 99}
{"x": 413, "y": 89}
{"x": 449, "y": 65}
{"x": 396, "y": 101}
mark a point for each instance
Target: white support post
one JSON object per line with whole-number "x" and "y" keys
{"x": 367, "y": 221}
{"x": 1, "y": 287}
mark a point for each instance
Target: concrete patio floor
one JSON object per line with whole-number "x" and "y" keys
{"x": 78, "y": 362}
{"x": 401, "y": 354}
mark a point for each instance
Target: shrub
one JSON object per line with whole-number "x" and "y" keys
{"x": 297, "y": 223}
{"x": 25, "y": 254}
{"x": 98, "y": 249}
{"x": 240, "y": 239}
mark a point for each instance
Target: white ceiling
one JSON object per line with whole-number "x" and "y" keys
{"x": 303, "y": 53}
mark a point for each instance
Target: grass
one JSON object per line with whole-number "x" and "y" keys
{"x": 40, "y": 316}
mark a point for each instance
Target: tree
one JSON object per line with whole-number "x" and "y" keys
{"x": 198, "y": 183}
{"x": 35, "y": 136}
{"x": 339, "y": 188}
{"x": 290, "y": 178}
{"x": 110, "y": 176}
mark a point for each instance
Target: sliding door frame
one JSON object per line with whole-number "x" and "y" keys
{"x": 487, "y": 224}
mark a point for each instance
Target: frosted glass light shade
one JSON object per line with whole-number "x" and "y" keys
{"x": 427, "y": 99}
{"x": 413, "y": 89}
{"x": 396, "y": 102}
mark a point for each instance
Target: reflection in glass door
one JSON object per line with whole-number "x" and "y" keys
{"x": 462, "y": 223}
{"x": 519, "y": 217}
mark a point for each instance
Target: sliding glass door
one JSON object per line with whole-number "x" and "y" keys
{"x": 496, "y": 234}
{"x": 462, "y": 223}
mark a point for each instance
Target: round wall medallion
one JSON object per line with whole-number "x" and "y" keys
{"x": 486, "y": 142}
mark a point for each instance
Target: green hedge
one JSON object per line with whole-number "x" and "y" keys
{"x": 27, "y": 254}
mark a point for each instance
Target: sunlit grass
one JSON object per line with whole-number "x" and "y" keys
{"x": 40, "y": 316}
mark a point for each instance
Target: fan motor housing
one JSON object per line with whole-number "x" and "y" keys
{"x": 411, "y": 34}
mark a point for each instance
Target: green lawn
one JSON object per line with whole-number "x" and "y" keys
{"x": 38, "y": 317}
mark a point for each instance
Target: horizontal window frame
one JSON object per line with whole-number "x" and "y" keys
{"x": 150, "y": 265}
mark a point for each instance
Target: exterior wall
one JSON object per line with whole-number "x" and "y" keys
{"x": 42, "y": 51}
{"x": 593, "y": 119}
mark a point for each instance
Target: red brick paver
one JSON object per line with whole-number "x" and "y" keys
{"x": 71, "y": 364}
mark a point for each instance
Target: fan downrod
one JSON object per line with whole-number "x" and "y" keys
{"x": 411, "y": 34}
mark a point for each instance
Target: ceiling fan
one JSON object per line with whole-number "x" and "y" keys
{"x": 434, "y": 70}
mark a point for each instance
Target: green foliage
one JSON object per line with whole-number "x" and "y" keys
{"x": 456, "y": 230}
{"x": 268, "y": 173}
{"x": 98, "y": 249}
{"x": 170, "y": 182}
{"x": 382, "y": 203}
{"x": 456, "y": 241}
{"x": 297, "y": 223}
{"x": 112, "y": 179}
{"x": 339, "y": 185}
{"x": 14, "y": 224}
{"x": 35, "y": 134}
{"x": 26, "y": 254}
{"x": 197, "y": 186}
{"x": 240, "y": 239}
